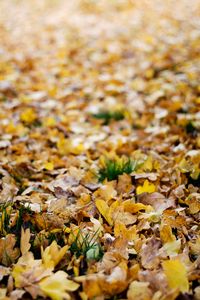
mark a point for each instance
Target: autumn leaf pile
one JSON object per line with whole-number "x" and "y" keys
{"x": 100, "y": 149}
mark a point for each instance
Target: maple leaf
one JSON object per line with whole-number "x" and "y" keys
{"x": 27, "y": 273}
{"x": 24, "y": 242}
{"x": 57, "y": 286}
{"x": 52, "y": 255}
{"x": 8, "y": 252}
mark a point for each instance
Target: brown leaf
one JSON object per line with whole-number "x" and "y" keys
{"x": 149, "y": 253}
{"x": 157, "y": 200}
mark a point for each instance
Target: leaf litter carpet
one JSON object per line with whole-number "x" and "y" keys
{"x": 99, "y": 149}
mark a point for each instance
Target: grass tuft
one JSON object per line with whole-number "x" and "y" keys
{"x": 87, "y": 246}
{"x": 5, "y": 216}
{"x": 114, "y": 168}
{"x": 13, "y": 217}
{"x": 191, "y": 128}
{"x": 107, "y": 116}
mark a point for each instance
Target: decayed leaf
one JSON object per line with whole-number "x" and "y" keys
{"x": 176, "y": 274}
{"x": 57, "y": 286}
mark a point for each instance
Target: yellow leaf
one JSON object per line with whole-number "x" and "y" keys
{"x": 166, "y": 234}
{"x": 52, "y": 255}
{"x": 172, "y": 248}
{"x": 49, "y": 121}
{"x": 185, "y": 166}
{"x": 104, "y": 209}
{"x": 28, "y": 271}
{"x": 28, "y": 115}
{"x": 147, "y": 187}
{"x": 17, "y": 129}
{"x": 77, "y": 149}
{"x": 53, "y": 91}
{"x": 121, "y": 230}
{"x": 176, "y": 274}
{"x": 63, "y": 146}
{"x": 24, "y": 264}
{"x": 57, "y": 285}
{"x": 132, "y": 207}
{"x": 49, "y": 166}
{"x": 24, "y": 242}
{"x": 148, "y": 164}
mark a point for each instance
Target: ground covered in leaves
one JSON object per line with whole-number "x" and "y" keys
{"x": 99, "y": 149}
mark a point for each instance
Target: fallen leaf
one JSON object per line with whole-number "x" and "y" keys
{"x": 104, "y": 209}
{"x": 8, "y": 252}
{"x": 57, "y": 286}
{"x": 147, "y": 187}
{"x": 176, "y": 275}
{"x": 28, "y": 115}
{"x": 53, "y": 254}
{"x": 24, "y": 241}
{"x": 150, "y": 253}
{"x": 131, "y": 207}
{"x": 139, "y": 290}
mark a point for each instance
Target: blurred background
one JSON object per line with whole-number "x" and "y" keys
{"x": 126, "y": 39}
